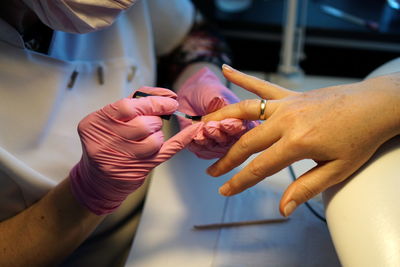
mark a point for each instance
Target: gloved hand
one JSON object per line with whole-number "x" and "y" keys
{"x": 204, "y": 93}
{"x": 122, "y": 143}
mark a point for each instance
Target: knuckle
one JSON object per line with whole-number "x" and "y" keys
{"x": 245, "y": 106}
{"x": 289, "y": 116}
{"x": 257, "y": 170}
{"x": 141, "y": 125}
{"x": 244, "y": 143}
{"x": 301, "y": 140}
{"x": 307, "y": 191}
{"x": 84, "y": 124}
{"x": 124, "y": 108}
{"x": 155, "y": 142}
{"x": 296, "y": 143}
{"x": 150, "y": 146}
{"x": 81, "y": 126}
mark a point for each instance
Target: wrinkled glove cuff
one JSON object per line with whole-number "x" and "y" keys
{"x": 88, "y": 194}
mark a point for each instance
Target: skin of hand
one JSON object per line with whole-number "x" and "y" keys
{"x": 339, "y": 127}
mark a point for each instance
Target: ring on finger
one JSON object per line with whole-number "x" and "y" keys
{"x": 263, "y": 106}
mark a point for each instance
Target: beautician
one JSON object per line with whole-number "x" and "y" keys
{"x": 60, "y": 61}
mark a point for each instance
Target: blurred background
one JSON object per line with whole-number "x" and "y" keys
{"x": 345, "y": 38}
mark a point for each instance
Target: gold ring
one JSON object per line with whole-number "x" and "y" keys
{"x": 263, "y": 106}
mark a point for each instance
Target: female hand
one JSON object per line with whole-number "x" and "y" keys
{"x": 339, "y": 127}
{"x": 122, "y": 143}
{"x": 201, "y": 94}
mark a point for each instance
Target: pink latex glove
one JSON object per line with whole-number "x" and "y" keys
{"x": 204, "y": 93}
{"x": 122, "y": 143}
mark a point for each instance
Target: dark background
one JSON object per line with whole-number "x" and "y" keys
{"x": 333, "y": 47}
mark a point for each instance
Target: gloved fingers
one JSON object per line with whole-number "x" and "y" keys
{"x": 212, "y": 104}
{"x": 212, "y": 130}
{"x": 222, "y": 97}
{"x": 211, "y": 135}
{"x": 157, "y": 91}
{"x": 138, "y": 128}
{"x": 144, "y": 148}
{"x": 128, "y": 108}
{"x": 217, "y": 137}
{"x": 233, "y": 127}
{"x": 207, "y": 152}
{"x": 183, "y": 122}
{"x": 199, "y": 150}
{"x": 178, "y": 142}
{"x": 155, "y": 105}
{"x": 204, "y": 93}
{"x": 226, "y": 131}
{"x": 201, "y": 139}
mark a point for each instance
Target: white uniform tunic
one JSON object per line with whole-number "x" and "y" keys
{"x": 41, "y": 103}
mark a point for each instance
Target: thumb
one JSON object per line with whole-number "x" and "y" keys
{"x": 313, "y": 182}
{"x": 178, "y": 141}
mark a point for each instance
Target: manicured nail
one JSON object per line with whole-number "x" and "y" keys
{"x": 225, "y": 190}
{"x": 289, "y": 208}
{"x": 227, "y": 68}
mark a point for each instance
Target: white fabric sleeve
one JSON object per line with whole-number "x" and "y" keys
{"x": 172, "y": 20}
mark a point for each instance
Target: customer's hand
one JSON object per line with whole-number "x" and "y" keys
{"x": 204, "y": 93}
{"x": 122, "y": 143}
{"x": 339, "y": 127}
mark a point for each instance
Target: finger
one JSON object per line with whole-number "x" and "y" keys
{"x": 128, "y": 108}
{"x": 222, "y": 132}
{"x": 212, "y": 130}
{"x": 204, "y": 152}
{"x": 142, "y": 149}
{"x": 257, "y": 86}
{"x": 255, "y": 140}
{"x": 249, "y": 109}
{"x": 138, "y": 128}
{"x": 233, "y": 127}
{"x": 201, "y": 139}
{"x": 178, "y": 142}
{"x": 267, "y": 163}
{"x": 155, "y": 106}
{"x": 157, "y": 91}
{"x": 313, "y": 182}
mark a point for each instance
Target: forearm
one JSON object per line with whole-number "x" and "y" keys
{"x": 48, "y": 231}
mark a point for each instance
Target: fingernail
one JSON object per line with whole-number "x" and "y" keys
{"x": 212, "y": 170}
{"x": 289, "y": 208}
{"x": 225, "y": 190}
{"x": 227, "y": 68}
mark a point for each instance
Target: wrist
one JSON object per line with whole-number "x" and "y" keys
{"x": 386, "y": 93}
{"x": 93, "y": 192}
